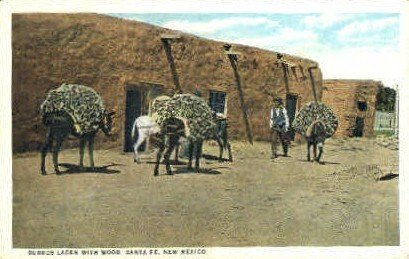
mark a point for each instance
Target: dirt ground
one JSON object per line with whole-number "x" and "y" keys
{"x": 250, "y": 202}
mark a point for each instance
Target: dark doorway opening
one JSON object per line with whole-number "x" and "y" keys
{"x": 291, "y": 106}
{"x": 362, "y": 106}
{"x": 132, "y": 111}
{"x": 359, "y": 127}
{"x": 217, "y": 101}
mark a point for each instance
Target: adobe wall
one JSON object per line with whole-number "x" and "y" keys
{"x": 109, "y": 54}
{"x": 342, "y": 97}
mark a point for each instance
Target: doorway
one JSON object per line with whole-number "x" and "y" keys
{"x": 132, "y": 111}
{"x": 359, "y": 127}
{"x": 217, "y": 101}
{"x": 291, "y": 106}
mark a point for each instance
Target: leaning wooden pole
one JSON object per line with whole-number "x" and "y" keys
{"x": 313, "y": 82}
{"x": 285, "y": 75}
{"x": 233, "y": 58}
{"x": 168, "y": 50}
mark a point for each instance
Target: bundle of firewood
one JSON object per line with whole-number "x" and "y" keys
{"x": 312, "y": 112}
{"x": 189, "y": 108}
{"x": 81, "y": 103}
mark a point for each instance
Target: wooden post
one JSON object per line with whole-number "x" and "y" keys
{"x": 313, "y": 82}
{"x": 285, "y": 75}
{"x": 168, "y": 50}
{"x": 233, "y": 59}
{"x": 284, "y": 65}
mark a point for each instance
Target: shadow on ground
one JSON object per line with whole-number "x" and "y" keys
{"x": 76, "y": 169}
{"x": 172, "y": 162}
{"x": 184, "y": 170}
{"x": 212, "y": 157}
{"x": 321, "y": 162}
{"x": 388, "y": 177}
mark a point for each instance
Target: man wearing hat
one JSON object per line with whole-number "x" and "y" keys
{"x": 279, "y": 125}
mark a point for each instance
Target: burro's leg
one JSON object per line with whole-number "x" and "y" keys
{"x": 320, "y": 150}
{"x": 47, "y": 146}
{"x": 229, "y": 150}
{"x": 308, "y": 150}
{"x": 82, "y": 147}
{"x": 315, "y": 150}
{"x": 177, "y": 146}
{"x": 142, "y": 135}
{"x": 198, "y": 154}
{"x": 220, "y": 143}
{"x": 191, "y": 144}
{"x": 56, "y": 150}
{"x": 91, "y": 150}
{"x": 172, "y": 143}
{"x": 161, "y": 144}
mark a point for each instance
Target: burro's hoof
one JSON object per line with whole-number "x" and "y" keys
{"x": 137, "y": 160}
{"x": 43, "y": 173}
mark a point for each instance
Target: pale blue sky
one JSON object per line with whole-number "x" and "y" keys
{"x": 352, "y": 46}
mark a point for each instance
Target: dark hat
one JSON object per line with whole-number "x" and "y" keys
{"x": 278, "y": 100}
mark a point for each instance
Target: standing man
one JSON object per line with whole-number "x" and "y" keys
{"x": 279, "y": 125}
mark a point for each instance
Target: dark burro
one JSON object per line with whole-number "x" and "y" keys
{"x": 76, "y": 110}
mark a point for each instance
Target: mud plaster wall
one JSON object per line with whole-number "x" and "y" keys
{"x": 108, "y": 54}
{"x": 342, "y": 97}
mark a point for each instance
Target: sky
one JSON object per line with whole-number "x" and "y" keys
{"x": 346, "y": 45}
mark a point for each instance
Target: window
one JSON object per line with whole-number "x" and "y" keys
{"x": 217, "y": 101}
{"x": 362, "y": 106}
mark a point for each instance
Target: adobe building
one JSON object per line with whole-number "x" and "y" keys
{"x": 126, "y": 63}
{"x": 353, "y": 102}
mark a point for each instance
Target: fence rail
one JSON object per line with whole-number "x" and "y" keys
{"x": 385, "y": 121}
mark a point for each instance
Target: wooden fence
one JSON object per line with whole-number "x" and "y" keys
{"x": 385, "y": 121}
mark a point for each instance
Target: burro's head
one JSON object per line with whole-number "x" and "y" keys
{"x": 106, "y": 123}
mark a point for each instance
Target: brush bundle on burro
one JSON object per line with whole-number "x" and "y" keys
{"x": 198, "y": 121}
{"x": 77, "y": 110}
{"x": 316, "y": 122}
{"x": 183, "y": 115}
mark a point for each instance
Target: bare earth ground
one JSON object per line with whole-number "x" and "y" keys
{"x": 250, "y": 202}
